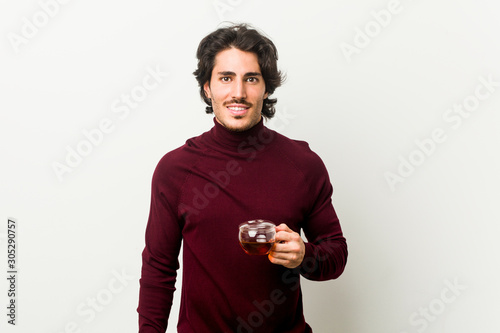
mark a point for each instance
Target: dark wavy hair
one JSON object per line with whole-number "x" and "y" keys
{"x": 244, "y": 38}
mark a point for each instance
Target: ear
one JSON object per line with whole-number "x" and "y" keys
{"x": 206, "y": 87}
{"x": 266, "y": 94}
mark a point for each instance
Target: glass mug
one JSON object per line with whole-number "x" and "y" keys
{"x": 257, "y": 236}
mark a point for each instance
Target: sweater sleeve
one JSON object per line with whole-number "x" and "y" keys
{"x": 160, "y": 256}
{"x": 326, "y": 250}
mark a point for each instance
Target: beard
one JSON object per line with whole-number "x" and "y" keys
{"x": 246, "y": 121}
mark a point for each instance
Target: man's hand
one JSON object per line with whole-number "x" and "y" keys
{"x": 289, "y": 248}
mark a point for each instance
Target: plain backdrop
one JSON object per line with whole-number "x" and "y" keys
{"x": 400, "y": 99}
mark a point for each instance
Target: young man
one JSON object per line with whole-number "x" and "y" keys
{"x": 238, "y": 171}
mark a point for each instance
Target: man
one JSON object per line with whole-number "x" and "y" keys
{"x": 238, "y": 171}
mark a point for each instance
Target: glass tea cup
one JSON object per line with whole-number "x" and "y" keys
{"x": 257, "y": 236}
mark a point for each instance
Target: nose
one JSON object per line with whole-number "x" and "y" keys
{"x": 239, "y": 90}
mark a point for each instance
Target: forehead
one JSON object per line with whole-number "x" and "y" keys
{"x": 237, "y": 61}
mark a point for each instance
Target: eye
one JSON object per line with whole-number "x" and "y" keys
{"x": 225, "y": 79}
{"x": 253, "y": 80}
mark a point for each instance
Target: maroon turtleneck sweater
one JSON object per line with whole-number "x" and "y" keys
{"x": 201, "y": 192}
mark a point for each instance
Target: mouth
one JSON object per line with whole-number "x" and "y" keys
{"x": 238, "y": 109}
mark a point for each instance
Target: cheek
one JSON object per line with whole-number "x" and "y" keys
{"x": 263, "y": 95}
{"x": 220, "y": 93}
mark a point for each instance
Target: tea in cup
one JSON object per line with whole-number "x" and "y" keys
{"x": 257, "y": 236}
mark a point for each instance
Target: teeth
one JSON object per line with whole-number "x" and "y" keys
{"x": 237, "y": 109}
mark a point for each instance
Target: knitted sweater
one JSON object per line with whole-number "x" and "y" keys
{"x": 201, "y": 192}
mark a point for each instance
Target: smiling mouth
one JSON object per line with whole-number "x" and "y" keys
{"x": 238, "y": 110}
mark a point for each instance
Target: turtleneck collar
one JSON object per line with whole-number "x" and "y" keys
{"x": 238, "y": 140}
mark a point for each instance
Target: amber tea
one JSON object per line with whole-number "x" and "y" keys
{"x": 257, "y": 248}
{"x": 257, "y": 236}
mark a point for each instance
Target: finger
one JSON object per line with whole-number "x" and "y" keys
{"x": 283, "y": 227}
{"x": 282, "y": 236}
{"x": 277, "y": 261}
{"x": 279, "y": 257}
{"x": 288, "y": 247}
{"x": 287, "y": 236}
{"x": 279, "y": 247}
{"x": 284, "y": 260}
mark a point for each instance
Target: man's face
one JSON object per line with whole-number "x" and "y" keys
{"x": 237, "y": 89}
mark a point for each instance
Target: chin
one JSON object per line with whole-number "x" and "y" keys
{"x": 236, "y": 128}
{"x": 237, "y": 125}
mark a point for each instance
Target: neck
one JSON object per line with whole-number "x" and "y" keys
{"x": 237, "y": 140}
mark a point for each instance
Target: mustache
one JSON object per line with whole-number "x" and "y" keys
{"x": 238, "y": 101}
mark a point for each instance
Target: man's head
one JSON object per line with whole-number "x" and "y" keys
{"x": 237, "y": 71}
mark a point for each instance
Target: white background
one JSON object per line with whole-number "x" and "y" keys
{"x": 361, "y": 112}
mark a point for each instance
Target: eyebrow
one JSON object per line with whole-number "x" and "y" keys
{"x": 229, "y": 73}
